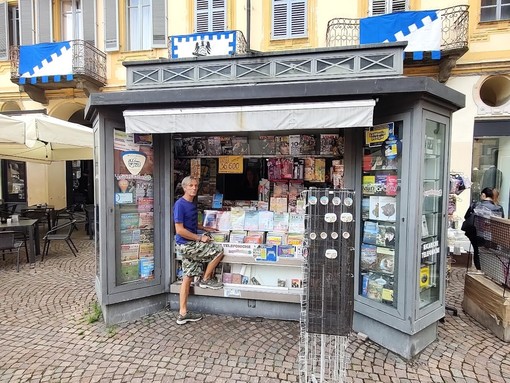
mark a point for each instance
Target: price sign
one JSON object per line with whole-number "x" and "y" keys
{"x": 230, "y": 164}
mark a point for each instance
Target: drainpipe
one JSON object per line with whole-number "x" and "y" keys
{"x": 248, "y": 25}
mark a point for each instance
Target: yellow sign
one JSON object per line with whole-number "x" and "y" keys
{"x": 378, "y": 133}
{"x": 230, "y": 164}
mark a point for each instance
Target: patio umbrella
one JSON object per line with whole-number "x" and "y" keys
{"x": 40, "y": 138}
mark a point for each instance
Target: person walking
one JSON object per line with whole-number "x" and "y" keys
{"x": 195, "y": 249}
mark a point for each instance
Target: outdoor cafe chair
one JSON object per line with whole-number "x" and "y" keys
{"x": 9, "y": 243}
{"x": 42, "y": 216}
{"x": 60, "y": 232}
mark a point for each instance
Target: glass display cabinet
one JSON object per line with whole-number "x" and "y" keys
{"x": 401, "y": 247}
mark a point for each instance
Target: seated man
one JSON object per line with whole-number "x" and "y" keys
{"x": 194, "y": 248}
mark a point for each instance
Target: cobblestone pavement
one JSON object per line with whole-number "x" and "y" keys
{"x": 44, "y": 337}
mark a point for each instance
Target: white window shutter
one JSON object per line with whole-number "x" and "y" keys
{"x": 280, "y": 19}
{"x": 298, "y": 19}
{"x": 89, "y": 21}
{"x": 4, "y": 31}
{"x": 382, "y": 7}
{"x": 44, "y": 32}
{"x": 210, "y": 15}
{"x": 399, "y": 5}
{"x": 159, "y": 29}
{"x": 26, "y": 22}
{"x": 289, "y": 19}
{"x": 111, "y": 30}
{"x": 219, "y": 14}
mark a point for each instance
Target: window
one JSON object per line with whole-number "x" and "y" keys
{"x": 139, "y": 24}
{"x": 9, "y": 29}
{"x": 210, "y": 15}
{"x": 382, "y": 7}
{"x": 72, "y": 20}
{"x": 492, "y": 10}
{"x": 289, "y": 19}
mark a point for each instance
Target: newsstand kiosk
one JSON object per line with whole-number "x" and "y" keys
{"x": 366, "y": 128}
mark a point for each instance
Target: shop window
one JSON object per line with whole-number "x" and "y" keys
{"x": 14, "y": 181}
{"x": 289, "y": 19}
{"x": 493, "y": 10}
{"x": 382, "y": 7}
{"x": 210, "y": 15}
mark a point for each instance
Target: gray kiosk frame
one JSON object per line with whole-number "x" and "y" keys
{"x": 405, "y": 326}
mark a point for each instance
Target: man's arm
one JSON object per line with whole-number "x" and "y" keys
{"x": 185, "y": 233}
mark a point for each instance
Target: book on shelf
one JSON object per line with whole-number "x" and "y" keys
{"x": 365, "y": 208}
{"x": 367, "y": 164}
{"x": 320, "y": 170}
{"x": 129, "y": 252}
{"x": 370, "y": 230}
{"x": 266, "y": 253}
{"x": 267, "y": 145}
{"x": 236, "y": 278}
{"x": 240, "y": 146}
{"x": 223, "y": 220}
{"x": 296, "y": 283}
{"x": 129, "y": 221}
{"x": 129, "y": 236}
{"x": 237, "y": 218}
{"x": 385, "y": 235}
{"x": 266, "y": 220}
{"x": 309, "y": 169}
{"x": 368, "y": 256}
{"x": 237, "y": 236}
{"x": 281, "y": 282}
{"x": 329, "y": 144}
{"x": 220, "y": 236}
{"x": 385, "y": 260}
{"x": 278, "y": 204}
{"x": 254, "y": 237}
{"x": 308, "y": 144}
{"x": 286, "y": 251}
{"x": 383, "y": 208}
{"x": 214, "y": 146}
{"x": 251, "y": 220}
{"x": 391, "y": 185}
{"x": 296, "y": 239}
{"x": 295, "y": 144}
{"x": 196, "y": 168}
{"x": 276, "y": 238}
{"x": 368, "y": 184}
{"x": 146, "y": 250}
{"x": 217, "y": 201}
{"x": 296, "y": 223}
{"x": 227, "y": 278}
{"x": 424, "y": 276}
{"x": 146, "y": 268}
{"x": 281, "y": 222}
{"x": 146, "y": 220}
{"x": 374, "y": 290}
{"x": 210, "y": 219}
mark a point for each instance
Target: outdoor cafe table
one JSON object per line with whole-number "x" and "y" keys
{"x": 29, "y": 225}
{"x": 48, "y": 209}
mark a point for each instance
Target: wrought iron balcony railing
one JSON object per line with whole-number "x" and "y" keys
{"x": 89, "y": 63}
{"x": 342, "y": 32}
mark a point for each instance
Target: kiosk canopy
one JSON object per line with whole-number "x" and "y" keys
{"x": 272, "y": 117}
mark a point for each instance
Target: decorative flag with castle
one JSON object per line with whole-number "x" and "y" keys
{"x": 421, "y": 29}
{"x": 39, "y": 62}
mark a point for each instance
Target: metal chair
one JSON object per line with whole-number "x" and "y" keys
{"x": 60, "y": 233}
{"x": 42, "y": 216}
{"x": 8, "y": 242}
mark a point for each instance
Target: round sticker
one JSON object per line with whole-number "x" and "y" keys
{"x": 348, "y": 201}
{"x": 324, "y": 200}
{"x": 312, "y": 200}
{"x": 346, "y": 217}
{"x": 324, "y": 235}
{"x": 346, "y": 234}
{"x": 334, "y": 235}
{"x": 336, "y": 201}
{"x": 313, "y": 235}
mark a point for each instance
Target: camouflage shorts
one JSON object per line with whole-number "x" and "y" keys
{"x": 195, "y": 254}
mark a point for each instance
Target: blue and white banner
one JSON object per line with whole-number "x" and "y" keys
{"x": 203, "y": 44}
{"x": 421, "y": 29}
{"x": 38, "y": 62}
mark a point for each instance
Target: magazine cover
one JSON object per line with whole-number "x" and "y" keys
{"x": 265, "y": 220}
{"x": 278, "y": 204}
{"x": 365, "y": 208}
{"x": 210, "y": 219}
{"x": 237, "y": 218}
{"x": 282, "y": 145}
{"x": 329, "y": 144}
{"x": 370, "y": 230}
{"x": 296, "y": 223}
{"x": 213, "y": 146}
{"x": 146, "y": 250}
{"x": 385, "y": 260}
{"x": 129, "y": 252}
{"x": 251, "y": 220}
{"x": 267, "y": 145}
{"x": 240, "y": 146}
{"x": 281, "y": 222}
{"x": 307, "y": 144}
{"x": 146, "y": 236}
{"x": 237, "y": 236}
{"x": 368, "y": 257}
{"x": 129, "y": 221}
{"x": 254, "y": 237}
{"x": 147, "y": 268}
{"x": 295, "y": 144}
{"x": 386, "y": 235}
{"x": 129, "y": 236}
{"x": 274, "y": 238}
{"x": 145, "y": 204}
{"x": 374, "y": 208}
{"x": 226, "y": 145}
{"x": 223, "y": 220}
{"x": 388, "y": 208}
{"x": 280, "y": 189}
{"x": 146, "y": 220}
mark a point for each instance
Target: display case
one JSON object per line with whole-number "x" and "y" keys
{"x": 403, "y": 183}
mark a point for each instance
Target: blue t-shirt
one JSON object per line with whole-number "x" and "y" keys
{"x": 185, "y": 212}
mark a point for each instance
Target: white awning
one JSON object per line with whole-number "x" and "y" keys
{"x": 313, "y": 115}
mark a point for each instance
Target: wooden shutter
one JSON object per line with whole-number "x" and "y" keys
{"x": 43, "y": 33}
{"x": 26, "y": 22}
{"x": 159, "y": 30}
{"x": 289, "y": 18}
{"x": 88, "y": 12}
{"x": 280, "y": 17}
{"x": 298, "y": 18}
{"x": 111, "y": 30}
{"x": 4, "y": 31}
{"x": 210, "y": 15}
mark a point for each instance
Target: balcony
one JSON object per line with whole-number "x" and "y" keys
{"x": 86, "y": 63}
{"x": 342, "y": 32}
